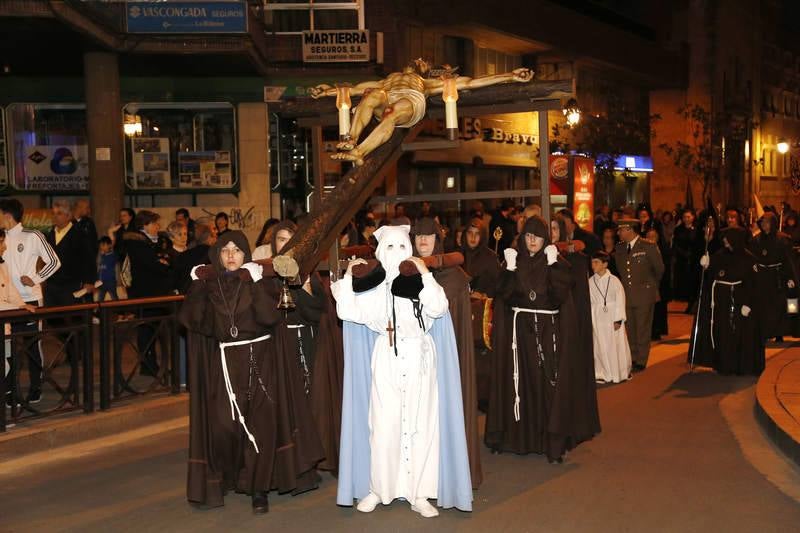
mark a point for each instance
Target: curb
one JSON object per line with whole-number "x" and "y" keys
{"x": 781, "y": 427}
{"x": 43, "y": 435}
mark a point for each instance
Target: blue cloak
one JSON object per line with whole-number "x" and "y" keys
{"x": 455, "y": 485}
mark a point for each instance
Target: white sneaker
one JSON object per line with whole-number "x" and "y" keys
{"x": 424, "y": 508}
{"x": 368, "y": 503}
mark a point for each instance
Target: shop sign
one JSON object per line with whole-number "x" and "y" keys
{"x": 57, "y": 167}
{"x": 186, "y": 17}
{"x": 472, "y": 128}
{"x": 559, "y": 174}
{"x": 40, "y": 219}
{"x": 583, "y": 192}
{"x": 150, "y": 163}
{"x": 335, "y": 46}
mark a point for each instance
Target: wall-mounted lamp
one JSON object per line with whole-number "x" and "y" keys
{"x": 132, "y": 125}
{"x": 782, "y": 146}
{"x": 572, "y": 112}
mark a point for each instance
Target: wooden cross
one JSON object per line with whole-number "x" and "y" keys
{"x": 390, "y": 331}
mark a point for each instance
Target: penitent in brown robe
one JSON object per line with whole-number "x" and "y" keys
{"x": 221, "y": 458}
{"x": 455, "y": 283}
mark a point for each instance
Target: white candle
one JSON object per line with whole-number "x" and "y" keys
{"x": 450, "y": 115}
{"x": 344, "y": 121}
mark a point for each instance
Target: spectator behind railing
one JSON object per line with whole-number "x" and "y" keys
{"x": 75, "y": 279}
{"x": 197, "y": 255}
{"x": 106, "y": 270}
{"x": 25, "y": 249}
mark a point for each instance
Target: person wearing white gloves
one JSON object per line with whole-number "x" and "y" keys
{"x": 250, "y": 426}
{"x": 727, "y": 336}
{"x": 542, "y": 395}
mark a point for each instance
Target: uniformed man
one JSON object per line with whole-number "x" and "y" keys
{"x": 640, "y": 268}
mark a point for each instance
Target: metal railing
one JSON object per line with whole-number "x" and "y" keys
{"x": 137, "y": 351}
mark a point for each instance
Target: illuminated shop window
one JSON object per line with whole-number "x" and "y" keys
{"x": 48, "y": 147}
{"x": 294, "y": 17}
{"x": 184, "y": 146}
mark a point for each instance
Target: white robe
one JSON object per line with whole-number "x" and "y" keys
{"x": 404, "y": 397}
{"x": 612, "y": 355}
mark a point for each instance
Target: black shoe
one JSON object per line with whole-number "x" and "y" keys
{"x": 638, "y": 368}
{"x": 10, "y": 401}
{"x": 260, "y": 503}
{"x": 778, "y": 339}
{"x": 34, "y": 396}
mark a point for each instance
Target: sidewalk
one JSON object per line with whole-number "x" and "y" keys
{"x": 778, "y": 401}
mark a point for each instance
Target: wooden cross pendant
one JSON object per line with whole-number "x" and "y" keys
{"x": 390, "y": 331}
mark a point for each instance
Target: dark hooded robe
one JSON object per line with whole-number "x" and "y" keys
{"x": 313, "y": 339}
{"x": 455, "y": 283}
{"x": 776, "y": 268}
{"x": 552, "y": 408}
{"x": 481, "y": 264}
{"x": 268, "y": 390}
{"x": 726, "y": 340}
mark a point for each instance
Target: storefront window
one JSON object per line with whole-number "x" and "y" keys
{"x": 180, "y": 146}
{"x": 48, "y": 147}
{"x": 293, "y": 16}
{"x": 291, "y": 165}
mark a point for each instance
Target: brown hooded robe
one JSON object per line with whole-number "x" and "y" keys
{"x": 268, "y": 388}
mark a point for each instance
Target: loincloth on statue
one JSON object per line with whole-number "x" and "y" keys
{"x": 417, "y": 100}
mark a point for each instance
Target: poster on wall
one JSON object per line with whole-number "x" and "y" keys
{"x": 56, "y": 167}
{"x": 209, "y": 169}
{"x": 150, "y": 163}
{"x": 583, "y": 191}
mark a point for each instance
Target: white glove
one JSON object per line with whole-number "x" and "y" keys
{"x": 745, "y": 311}
{"x": 256, "y": 270}
{"x": 193, "y": 273}
{"x": 705, "y": 260}
{"x": 551, "y": 251}
{"x": 510, "y": 255}
{"x": 790, "y": 284}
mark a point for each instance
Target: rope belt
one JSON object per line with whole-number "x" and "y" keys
{"x": 303, "y": 360}
{"x": 229, "y": 386}
{"x": 771, "y": 265}
{"x": 535, "y": 313}
{"x": 730, "y": 285}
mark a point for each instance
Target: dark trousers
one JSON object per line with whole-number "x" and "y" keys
{"x": 34, "y": 354}
{"x": 639, "y": 327}
{"x": 61, "y": 295}
{"x": 108, "y": 287}
{"x": 147, "y": 342}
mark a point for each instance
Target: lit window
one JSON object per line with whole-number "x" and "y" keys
{"x": 293, "y": 17}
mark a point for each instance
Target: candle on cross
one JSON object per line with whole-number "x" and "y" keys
{"x": 390, "y": 331}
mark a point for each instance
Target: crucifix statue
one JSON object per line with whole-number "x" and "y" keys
{"x": 399, "y": 101}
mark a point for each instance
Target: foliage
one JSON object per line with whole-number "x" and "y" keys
{"x": 696, "y": 157}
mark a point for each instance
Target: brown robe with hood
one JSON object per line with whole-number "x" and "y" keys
{"x": 322, "y": 361}
{"x": 455, "y": 283}
{"x": 221, "y": 458}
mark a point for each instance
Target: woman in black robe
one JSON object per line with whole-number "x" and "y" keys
{"x": 262, "y": 438}
{"x": 539, "y": 402}
{"x": 456, "y": 284}
{"x": 480, "y": 263}
{"x": 727, "y": 337}
{"x": 313, "y": 341}
{"x": 776, "y": 280}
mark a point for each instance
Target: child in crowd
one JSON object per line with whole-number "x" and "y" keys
{"x": 612, "y": 355}
{"x": 106, "y": 270}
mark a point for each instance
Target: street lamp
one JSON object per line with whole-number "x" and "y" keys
{"x": 783, "y": 146}
{"x": 572, "y": 112}
{"x": 344, "y": 104}
{"x": 450, "y": 96}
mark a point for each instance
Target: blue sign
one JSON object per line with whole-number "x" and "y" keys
{"x": 632, "y": 163}
{"x": 186, "y": 17}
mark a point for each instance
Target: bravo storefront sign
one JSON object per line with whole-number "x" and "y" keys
{"x": 186, "y": 17}
{"x": 335, "y": 46}
{"x": 55, "y": 167}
